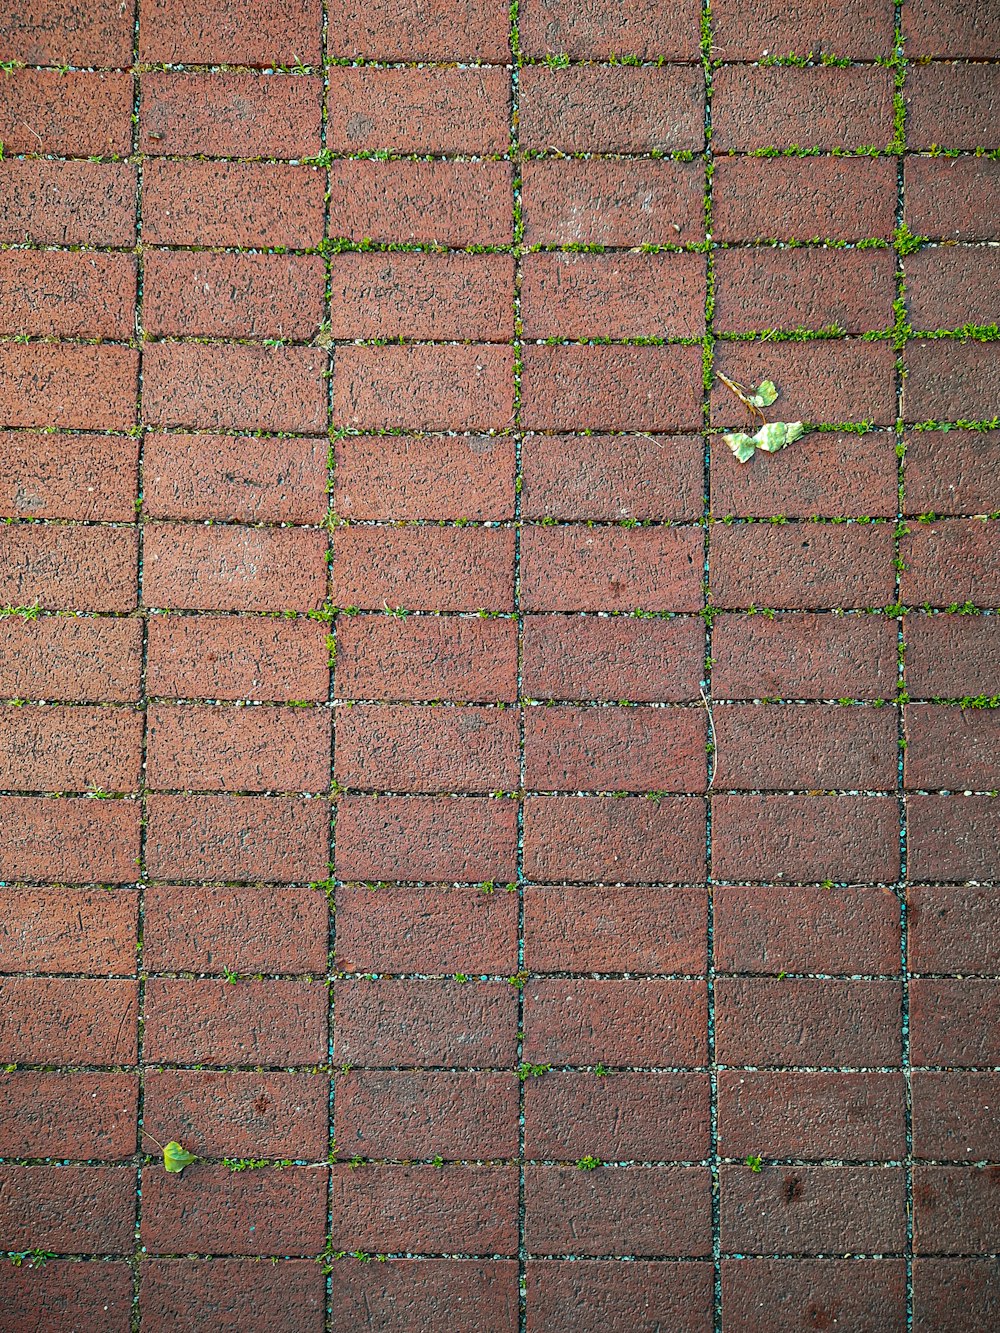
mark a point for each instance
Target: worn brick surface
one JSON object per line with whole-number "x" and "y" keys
{"x": 74, "y": 476}
{"x": 832, "y": 475}
{"x": 953, "y": 928}
{"x": 50, "y": 32}
{"x": 954, "y": 1294}
{"x": 69, "y": 749}
{"x": 612, "y": 202}
{"x": 426, "y": 838}
{"x": 279, "y": 838}
{"x": 608, "y": 749}
{"x": 400, "y": 1022}
{"x": 799, "y": 656}
{"x": 449, "y": 30}
{"x": 69, "y": 568}
{"x": 613, "y": 296}
{"x": 603, "y": 29}
{"x": 611, "y": 476}
{"x": 221, "y": 657}
{"x": 232, "y": 1294}
{"x": 569, "y": 1297}
{"x": 226, "y": 295}
{"x": 801, "y": 565}
{"x": 65, "y": 1295}
{"x": 953, "y": 1209}
{"x": 69, "y": 1021}
{"x": 953, "y": 105}
{"x": 230, "y": 115}
{"x": 611, "y": 388}
{"x": 231, "y": 203}
{"x": 77, "y": 295}
{"x": 789, "y": 199}
{"x": 853, "y": 28}
{"x": 384, "y": 657}
{"x": 951, "y": 561}
{"x": 952, "y": 198}
{"x": 59, "y": 657}
{"x": 242, "y": 1022}
{"x": 68, "y": 930}
{"x": 66, "y": 114}
{"x": 575, "y": 569}
{"x": 802, "y": 1208}
{"x": 424, "y": 568}
{"x": 438, "y": 477}
{"x": 451, "y": 110}
{"x": 444, "y": 203}
{"x": 954, "y": 1116}
{"x": 953, "y": 839}
{"x": 754, "y": 107}
{"x": 599, "y": 838}
{"x": 808, "y": 746}
{"x": 227, "y": 32}
{"x": 616, "y": 658}
{"x": 423, "y": 388}
{"x": 69, "y": 1115}
{"x": 231, "y": 568}
{"x": 803, "y": 288}
{"x": 951, "y": 656}
{"x": 236, "y": 749}
{"x": 828, "y": 381}
{"x": 579, "y": 1021}
{"x": 89, "y": 387}
{"x": 69, "y": 840}
{"x": 70, "y": 1209}
{"x": 950, "y": 472}
{"x": 416, "y": 1293}
{"x": 68, "y": 203}
{"x": 867, "y": 1294}
{"x": 588, "y": 928}
{"x": 616, "y": 109}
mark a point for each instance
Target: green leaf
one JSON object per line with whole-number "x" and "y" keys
{"x": 741, "y": 445}
{"x": 765, "y": 394}
{"x": 176, "y": 1158}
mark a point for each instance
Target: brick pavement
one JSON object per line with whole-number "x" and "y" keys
{"x": 439, "y": 785}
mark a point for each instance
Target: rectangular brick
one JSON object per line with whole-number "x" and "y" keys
{"x": 784, "y": 929}
{"x": 952, "y": 560}
{"x": 55, "y": 748}
{"x": 233, "y": 296}
{"x": 612, "y": 109}
{"x": 232, "y": 203}
{"x": 953, "y": 1021}
{"x": 424, "y": 568}
{"x": 386, "y": 1023}
{"x": 245, "y": 1022}
{"x": 613, "y": 295}
{"x": 443, "y": 931}
{"x": 603, "y": 838}
{"x": 53, "y": 32}
{"x": 62, "y": 657}
{"x": 247, "y": 930}
{"x": 954, "y": 1116}
{"x": 945, "y": 748}
{"x": 952, "y": 198}
{"x": 953, "y": 929}
{"x": 227, "y": 32}
{"x": 955, "y": 1295}
{"x": 454, "y": 30}
{"x": 230, "y": 115}
{"x": 944, "y": 28}
{"x": 953, "y": 1210}
{"x": 610, "y": 929}
{"x": 605, "y": 29}
{"x": 953, "y": 837}
{"x": 951, "y": 380}
{"x": 424, "y": 387}
{"x": 570, "y": 1297}
{"x": 68, "y": 203}
{"x": 793, "y": 199}
{"x": 61, "y": 1020}
{"x": 610, "y": 202}
{"x": 430, "y": 477}
{"x": 585, "y": 1022}
{"x": 238, "y": 1290}
{"x": 611, "y": 388}
{"x": 397, "y": 747}
{"x": 618, "y": 1117}
{"x": 635, "y": 749}
{"x": 761, "y": 1022}
{"x": 951, "y": 474}
{"x": 273, "y": 838}
{"x": 68, "y": 476}
{"x": 830, "y": 380}
{"x": 71, "y": 568}
{"x": 71, "y": 1115}
{"x": 757, "y": 107}
{"x": 858, "y": 29}
{"x": 229, "y": 657}
{"x": 71, "y": 840}
{"x": 870, "y": 1293}
{"x": 807, "y": 746}
{"x": 384, "y": 657}
{"x": 601, "y": 657}
{"x": 814, "y": 565}
{"x": 68, "y": 930}
{"x": 949, "y": 287}
{"x": 424, "y": 1113}
{"x": 612, "y": 476}
{"x": 415, "y": 1292}
{"x": 809, "y": 287}
{"x": 573, "y": 568}
{"x": 78, "y": 114}
{"x": 443, "y": 203}
{"x": 954, "y": 105}
{"x": 452, "y": 110}
{"x": 440, "y": 838}
{"x": 951, "y": 656}
{"x": 229, "y": 568}
{"x": 69, "y": 1209}
{"x": 91, "y": 387}
{"x": 640, "y": 1211}
{"x": 833, "y": 475}
{"x": 805, "y": 1209}
{"x": 82, "y": 295}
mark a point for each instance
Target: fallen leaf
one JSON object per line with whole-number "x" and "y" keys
{"x": 176, "y": 1158}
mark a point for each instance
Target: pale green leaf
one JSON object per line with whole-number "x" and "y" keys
{"x": 741, "y": 445}
{"x": 765, "y": 394}
{"x": 176, "y": 1158}
{"x": 772, "y": 437}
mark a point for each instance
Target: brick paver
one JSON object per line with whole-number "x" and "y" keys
{"x": 546, "y": 871}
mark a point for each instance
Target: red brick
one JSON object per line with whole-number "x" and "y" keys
{"x": 811, "y": 287}
{"x": 448, "y": 30}
{"x": 951, "y": 473}
{"x": 812, "y": 1115}
{"x": 403, "y": 1294}
{"x": 954, "y": 1116}
{"x": 426, "y": 838}
{"x": 584, "y": 1022}
{"x": 243, "y": 1022}
{"x": 231, "y": 203}
{"x": 72, "y": 840}
{"x": 382, "y": 657}
{"x": 422, "y": 296}
{"x": 957, "y": 106}
{"x": 228, "y": 657}
{"x": 613, "y": 295}
{"x": 446, "y": 203}
{"x": 953, "y": 929}
{"x": 93, "y": 388}
{"x": 604, "y": 838}
{"x": 68, "y": 930}
{"x": 232, "y": 1295}
{"x": 953, "y": 1021}
{"x": 68, "y": 1297}
{"x": 955, "y": 1295}
{"x": 815, "y": 565}
{"x": 74, "y": 114}
{"x": 69, "y": 749}
{"x": 832, "y": 380}
{"x": 56, "y": 1020}
{"x": 227, "y": 32}
{"x": 763, "y": 1022}
{"x": 583, "y": 569}
{"x": 69, "y": 1115}
{"x": 952, "y": 198}
{"x": 386, "y": 1023}
{"x": 430, "y": 477}
{"x": 211, "y": 748}
{"x": 68, "y": 203}
{"x": 612, "y": 109}
{"x": 945, "y": 748}
{"x": 424, "y": 1113}
{"x": 799, "y": 1209}
{"x": 610, "y": 749}
{"x": 212, "y": 1210}
{"x": 424, "y": 387}
{"x": 609, "y": 202}
{"x": 950, "y": 656}
{"x": 74, "y": 568}
{"x": 646, "y": 661}
{"x": 611, "y": 388}
{"x": 274, "y": 838}
{"x": 53, "y": 32}
{"x": 810, "y": 838}
{"x": 806, "y": 746}
{"x": 425, "y": 930}
{"x": 618, "y": 1117}
{"x": 945, "y": 28}
{"x": 952, "y": 560}
{"x": 230, "y": 115}
{"x": 238, "y": 1115}
{"x": 585, "y": 929}
{"x": 78, "y": 295}
{"x": 647, "y": 28}
{"x": 397, "y": 747}
{"x": 425, "y": 1208}
{"x": 806, "y": 930}
{"x": 70, "y": 1209}
{"x": 951, "y": 381}
{"x": 233, "y": 296}
{"x": 59, "y": 657}
{"x": 640, "y": 1211}
{"x": 424, "y": 568}
{"x": 953, "y": 837}
{"x": 233, "y": 568}
{"x": 954, "y": 1209}
{"x": 830, "y": 475}
{"x": 803, "y": 198}
{"x": 67, "y": 476}
{"x": 451, "y": 110}
{"x": 755, "y": 107}
{"x": 803, "y": 656}
{"x": 856, "y": 29}
{"x": 246, "y": 930}
{"x": 868, "y": 1295}
{"x": 947, "y": 287}
{"x": 569, "y": 1297}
